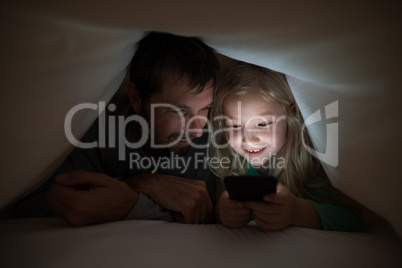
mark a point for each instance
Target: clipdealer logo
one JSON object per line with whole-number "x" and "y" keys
{"x": 330, "y": 156}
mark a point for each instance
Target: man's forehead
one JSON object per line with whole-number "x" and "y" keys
{"x": 183, "y": 86}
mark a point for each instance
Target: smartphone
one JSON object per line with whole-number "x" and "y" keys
{"x": 250, "y": 188}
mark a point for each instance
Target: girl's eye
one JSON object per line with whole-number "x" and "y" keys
{"x": 235, "y": 126}
{"x": 264, "y": 124}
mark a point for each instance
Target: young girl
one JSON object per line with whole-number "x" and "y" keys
{"x": 258, "y": 128}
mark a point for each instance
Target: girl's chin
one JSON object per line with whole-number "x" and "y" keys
{"x": 258, "y": 163}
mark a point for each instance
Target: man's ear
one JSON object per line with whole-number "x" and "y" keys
{"x": 134, "y": 96}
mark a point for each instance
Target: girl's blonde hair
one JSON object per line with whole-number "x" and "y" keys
{"x": 302, "y": 170}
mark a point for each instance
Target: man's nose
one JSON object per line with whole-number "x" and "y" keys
{"x": 195, "y": 126}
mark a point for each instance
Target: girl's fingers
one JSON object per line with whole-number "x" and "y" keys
{"x": 267, "y": 218}
{"x": 269, "y": 226}
{"x": 229, "y": 203}
{"x": 263, "y": 207}
{"x": 237, "y": 212}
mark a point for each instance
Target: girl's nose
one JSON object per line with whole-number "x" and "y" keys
{"x": 250, "y": 136}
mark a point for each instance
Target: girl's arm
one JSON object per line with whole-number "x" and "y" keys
{"x": 337, "y": 212}
{"x": 339, "y": 217}
{"x": 305, "y": 215}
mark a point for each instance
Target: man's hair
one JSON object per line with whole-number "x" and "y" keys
{"x": 160, "y": 54}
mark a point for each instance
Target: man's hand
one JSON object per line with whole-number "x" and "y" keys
{"x": 85, "y": 198}
{"x": 188, "y": 199}
{"x": 232, "y": 213}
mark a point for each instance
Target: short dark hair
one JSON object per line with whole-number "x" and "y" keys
{"x": 161, "y": 54}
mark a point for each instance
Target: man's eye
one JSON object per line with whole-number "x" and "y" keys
{"x": 205, "y": 110}
{"x": 183, "y": 111}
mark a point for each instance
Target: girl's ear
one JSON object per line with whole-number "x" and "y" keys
{"x": 134, "y": 96}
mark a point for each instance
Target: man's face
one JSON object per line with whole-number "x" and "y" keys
{"x": 177, "y": 114}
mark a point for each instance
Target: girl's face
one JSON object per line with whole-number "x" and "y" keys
{"x": 255, "y": 127}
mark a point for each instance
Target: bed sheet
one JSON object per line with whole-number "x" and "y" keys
{"x": 51, "y": 242}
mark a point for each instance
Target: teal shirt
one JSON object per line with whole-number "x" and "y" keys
{"x": 333, "y": 217}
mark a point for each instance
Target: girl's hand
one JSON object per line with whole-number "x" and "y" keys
{"x": 278, "y": 210}
{"x": 232, "y": 213}
{"x": 283, "y": 209}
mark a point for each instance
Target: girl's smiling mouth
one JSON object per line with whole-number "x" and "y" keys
{"x": 254, "y": 152}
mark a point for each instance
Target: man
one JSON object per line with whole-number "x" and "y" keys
{"x": 171, "y": 89}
